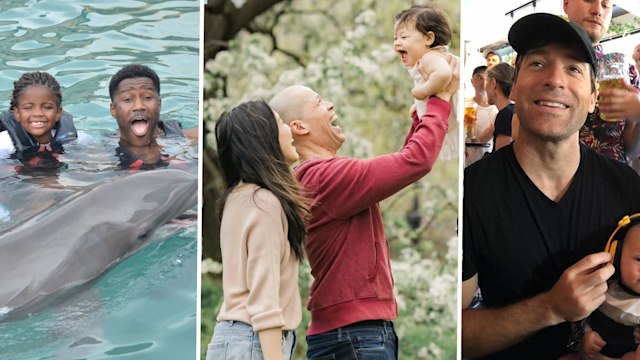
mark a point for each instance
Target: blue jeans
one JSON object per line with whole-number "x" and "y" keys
{"x": 371, "y": 339}
{"x": 235, "y": 340}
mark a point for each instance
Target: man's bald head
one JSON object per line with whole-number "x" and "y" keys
{"x": 311, "y": 120}
{"x": 289, "y": 103}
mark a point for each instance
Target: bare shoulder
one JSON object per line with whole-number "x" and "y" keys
{"x": 436, "y": 59}
{"x": 437, "y": 53}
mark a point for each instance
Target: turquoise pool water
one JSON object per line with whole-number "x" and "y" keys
{"x": 145, "y": 307}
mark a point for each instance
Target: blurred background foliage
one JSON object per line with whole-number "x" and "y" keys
{"x": 344, "y": 51}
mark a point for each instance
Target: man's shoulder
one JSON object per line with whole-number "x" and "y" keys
{"x": 313, "y": 166}
{"x": 489, "y": 164}
{"x": 609, "y": 172}
{"x": 316, "y": 173}
{"x": 594, "y": 158}
{"x": 170, "y": 127}
{"x": 491, "y": 177}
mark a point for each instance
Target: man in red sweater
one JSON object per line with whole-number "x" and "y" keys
{"x": 351, "y": 299}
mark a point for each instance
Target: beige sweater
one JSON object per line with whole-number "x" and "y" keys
{"x": 259, "y": 268}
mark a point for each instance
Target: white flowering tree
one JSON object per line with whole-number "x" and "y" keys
{"x": 344, "y": 51}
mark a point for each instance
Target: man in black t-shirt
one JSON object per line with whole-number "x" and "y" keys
{"x": 537, "y": 214}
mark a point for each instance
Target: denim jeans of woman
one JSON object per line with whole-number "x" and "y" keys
{"x": 370, "y": 340}
{"x": 235, "y": 340}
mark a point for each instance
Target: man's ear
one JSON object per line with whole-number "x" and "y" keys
{"x": 113, "y": 110}
{"x": 514, "y": 92}
{"x": 298, "y": 127}
{"x": 16, "y": 114}
{"x": 593, "y": 100}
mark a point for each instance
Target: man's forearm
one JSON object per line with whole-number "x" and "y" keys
{"x": 486, "y": 331}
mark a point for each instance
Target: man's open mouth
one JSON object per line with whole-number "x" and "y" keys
{"x": 140, "y": 127}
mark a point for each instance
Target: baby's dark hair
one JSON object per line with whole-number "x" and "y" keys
{"x": 36, "y": 78}
{"x": 427, "y": 18}
{"x": 130, "y": 72}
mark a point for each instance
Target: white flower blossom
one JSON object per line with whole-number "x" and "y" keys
{"x": 210, "y": 266}
{"x": 367, "y": 17}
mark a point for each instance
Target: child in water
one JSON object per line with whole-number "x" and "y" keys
{"x": 36, "y": 122}
{"x": 421, "y": 35}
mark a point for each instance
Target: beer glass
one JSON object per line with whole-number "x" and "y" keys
{"x": 612, "y": 71}
{"x": 470, "y": 119}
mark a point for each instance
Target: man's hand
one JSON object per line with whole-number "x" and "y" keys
{"x": 620, "y": 103}
{"x": 581, "y": 288}
{"x": 449, "y": 90}
{"x": 412, "y": 110}
{"x": 591, "y": 345}
{"x": 192, "y": 133}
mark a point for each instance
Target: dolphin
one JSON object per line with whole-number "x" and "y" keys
{"x": 84, "y": 235}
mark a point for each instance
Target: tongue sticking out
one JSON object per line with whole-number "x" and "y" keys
{"x": 140, "y": 127}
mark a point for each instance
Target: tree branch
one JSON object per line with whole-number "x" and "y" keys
{"x": 222, "y": 21}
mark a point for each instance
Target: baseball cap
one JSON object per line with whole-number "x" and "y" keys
{"x": 488, "y": 52}
{"x": 537, "y": 30}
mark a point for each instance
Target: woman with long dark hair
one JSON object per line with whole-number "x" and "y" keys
{"x": 262, "y": 228}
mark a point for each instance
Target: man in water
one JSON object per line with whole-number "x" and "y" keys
{"x": 136, "y": 106}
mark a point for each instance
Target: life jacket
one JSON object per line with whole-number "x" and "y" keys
{"x": 170, "y": 127}
{"x": 65, "y": 131}
{"x": 131, "y": 161}
{"x": 35, "y": 162}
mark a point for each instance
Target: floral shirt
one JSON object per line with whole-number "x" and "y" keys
{"x": 603, "y": 136}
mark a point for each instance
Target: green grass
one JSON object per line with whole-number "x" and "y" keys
{"x": 211, "y": 301}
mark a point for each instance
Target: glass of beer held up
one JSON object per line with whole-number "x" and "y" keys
{"x": 612, "y": 72}
{"x": 470, "y": 119}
